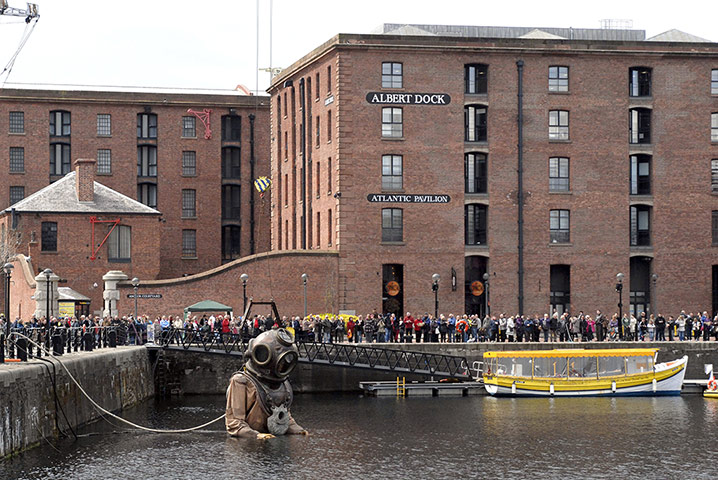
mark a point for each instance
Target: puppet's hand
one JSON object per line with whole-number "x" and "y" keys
{"x": 264, "y": 436}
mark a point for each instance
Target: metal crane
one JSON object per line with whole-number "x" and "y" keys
{"x": 32, "y": 11}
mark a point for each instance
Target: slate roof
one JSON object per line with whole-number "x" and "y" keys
{"x": 61, "y": 197}
{"x": 67, "y": 294}
{"x": 677, "y": 36}
{"x": 512, "y": 32}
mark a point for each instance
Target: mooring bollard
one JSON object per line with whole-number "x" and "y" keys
{"x": 21, "y": 349}
{"x": 57, "y": 346}
{"x": 112, "y": 338}
{"x": 88, "y": 341}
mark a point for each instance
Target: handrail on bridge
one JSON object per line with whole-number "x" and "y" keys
{"x": 336, "y": 354}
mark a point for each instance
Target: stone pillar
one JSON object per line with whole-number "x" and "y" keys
{"x": 111, "y": 294}
{"x": 41, "y": 288}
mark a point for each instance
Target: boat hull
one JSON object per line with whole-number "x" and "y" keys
{"x": 668, "y": 381}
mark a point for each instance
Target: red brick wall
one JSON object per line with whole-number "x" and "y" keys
{"x": 274, "y": 276}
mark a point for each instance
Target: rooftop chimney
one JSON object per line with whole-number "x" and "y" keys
{"x": 85, "y": 179}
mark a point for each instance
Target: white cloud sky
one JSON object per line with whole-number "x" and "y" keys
{"x": 213, "y": 44}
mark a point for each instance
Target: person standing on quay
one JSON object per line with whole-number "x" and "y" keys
{"x": 660, "y": 328}
{"x": 408, "y": 327}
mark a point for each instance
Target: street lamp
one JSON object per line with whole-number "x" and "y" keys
{"x": 435, "y": 287}
{"x": 135, "y": 285}
{"x": 48, "y": 273}
{"x": 486, "y": 294}
{"x": 654, "y": 277}
{"x": 619, "y": 289}
{"x": 8, "y": 270}
{"x": 244, "y": 277}
{"x": 304, "y": 281}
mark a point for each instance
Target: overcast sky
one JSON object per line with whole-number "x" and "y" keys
{"x": 212, "y": 44}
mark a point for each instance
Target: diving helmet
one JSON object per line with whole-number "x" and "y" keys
{"x": 272, "y": 355}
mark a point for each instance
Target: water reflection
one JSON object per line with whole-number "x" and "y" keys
{"x": 355, "y": 437}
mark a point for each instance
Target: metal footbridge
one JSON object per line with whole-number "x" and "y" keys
{"x": 345, "y": 355}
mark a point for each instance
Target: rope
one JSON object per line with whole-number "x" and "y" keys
{"x": 25, "y": 36}
{"x": 107, "y": 412}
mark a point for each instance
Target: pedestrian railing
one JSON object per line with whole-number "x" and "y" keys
{"x": 31, "y": 342}
{"x": 334, "y": 354}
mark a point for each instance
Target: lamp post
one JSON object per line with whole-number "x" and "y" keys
{"x": 7, "y": 268}
{"x": 619, "y": 289}
{"x": 304, "y": 281}
{"x": 244, "y": 277}
{"x": 435, "y": 287}
{"x": 48, "y": 273}
{"x": 486, "y": 294}
{"x": 654, "y": 277}
{"x": 135, "y": 285}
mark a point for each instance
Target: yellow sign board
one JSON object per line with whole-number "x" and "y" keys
{"x": 67, "y": 309}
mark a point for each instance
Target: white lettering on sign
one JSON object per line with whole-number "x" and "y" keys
{"x": 408, "y": 98}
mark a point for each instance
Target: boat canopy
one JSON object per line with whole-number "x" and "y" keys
{"x": 573, "y": 352}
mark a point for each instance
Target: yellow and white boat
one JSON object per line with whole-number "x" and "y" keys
{"x": 582, "y": 372}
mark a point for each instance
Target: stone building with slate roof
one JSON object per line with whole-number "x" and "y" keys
{"x": 81, "y": 229}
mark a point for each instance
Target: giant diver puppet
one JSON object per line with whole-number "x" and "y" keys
{"x": 259, "y": 397}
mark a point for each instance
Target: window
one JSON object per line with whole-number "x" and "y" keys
{"x": 59, "y": 158}
{"x": 714, "y": 127}
{"x": 189, "y": 163}
{"x": 231, "y": 202}
{"x": 475, "y": 222}
{"x": 49, "y": 237}
{"x": 329, "y": 174}
{"x": 392, "y": 122}
{"x": 119, "y": 244}
{"x": 59, "y": 123}
{"x": 17, "y": 159}
{"x": 392, "y": 225}
{"x": 16, "y": 194}
{"x": 104, "y": 125}
{"x": 316, "y": 130}
{"x": 189, "y": 203}
{"x": 391, "y": 75}
{"x": 330, "y": 228}
{"x": 714, "y": 82}
{"x": 17, "y": 122}
{"x": 318, "y": 178}
{"x": 189, "y": 127}
{"x": 640, "y": 174}
{"x": 714, "y": 175}
{"x": 189, "y": 243}
{"x": 104, "y": 161}
{"x": 319, "y": 230}
{"x": 232, "y": 128}
{"x": 231, "y": 162}
{"x": 329, "y": 79}
{"x": 147, "y": 194}
{"x": 639, "y": 82}
{"x": 146, "y": 161}
{"x": 475, "y": 123}
{"x": 640, "y": 225}
{"x": 146, "y": 125}
{"x": 714, "y": 226}
{"x": 231, "y": 242}
{"x": 557, "y": 79}
{"x": 476, "y": 78}
{"x": 329, "y": 126}
{"x": 639, "y": 125}
{"x": 391, "y": 172}
{"x": 316, "y": 85}
{"x": 475, "y": 173}
{"x": 558, "y": 125}
{"x": 559, "y": 226}
{"x": 558, "y": 174}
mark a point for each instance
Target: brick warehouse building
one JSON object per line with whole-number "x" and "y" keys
{"x": 149, "y": 146}
{"x": 549, "y": 159}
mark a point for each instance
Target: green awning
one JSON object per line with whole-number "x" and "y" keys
{"x": 208, "y": 306}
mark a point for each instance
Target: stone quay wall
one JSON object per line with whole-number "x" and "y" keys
{"x": 114, "y": 378}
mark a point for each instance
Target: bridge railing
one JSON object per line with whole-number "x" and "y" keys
{"x": 337, "y": 354}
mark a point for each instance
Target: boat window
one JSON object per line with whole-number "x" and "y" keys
{"x": 514, "y": 367}
{"x": 611, "y": 366}
{"x": 550, "y": 366}
{"x": 639, "y": 365}
{"x": 580, "y": 367}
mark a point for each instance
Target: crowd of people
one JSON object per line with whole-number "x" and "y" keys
{"x": 390, "y": 328}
